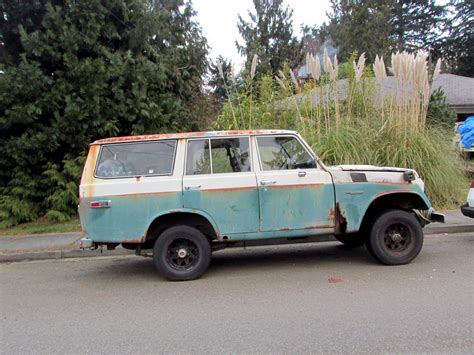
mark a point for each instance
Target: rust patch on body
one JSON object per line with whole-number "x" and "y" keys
{"x": 137, "y": 241}
{"x": 86, "y": 188}
{"x": 338, "y": 216}
{"x": 291, "y": 186}
{"x": 140, "y": 194}
{"x": 229, "y": 189}
{"x": 186, "y": 135}
{"x": 91, "y": 160}
{"x": 284, "y": 229}
{"x": 381, "y": 182}
{"x": 324, "y": 226}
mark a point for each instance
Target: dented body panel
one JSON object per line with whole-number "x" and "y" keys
{"x": 296, "y": 207}
{"x": 355, "y": 200}
{"x": 257, "y": 203}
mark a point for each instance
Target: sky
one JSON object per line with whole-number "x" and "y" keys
{"x": 218, "y": 19}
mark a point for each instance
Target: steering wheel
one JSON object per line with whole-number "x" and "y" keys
{"x": 306, "y": 164}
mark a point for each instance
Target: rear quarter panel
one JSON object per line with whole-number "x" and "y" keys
{"x": 135, "y": 201}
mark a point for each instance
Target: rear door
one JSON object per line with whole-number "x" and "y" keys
{"x": 294, "y": 193}
{"x": 219, "y": 180}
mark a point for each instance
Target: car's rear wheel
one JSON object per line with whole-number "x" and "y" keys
{"x": 396, "y": 237}
{"x": 182, "y": 253}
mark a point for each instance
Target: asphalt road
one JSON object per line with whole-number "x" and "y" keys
{"x": 299, "y": 298}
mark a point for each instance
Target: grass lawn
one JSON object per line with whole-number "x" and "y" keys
{"x": 43, "y": 225}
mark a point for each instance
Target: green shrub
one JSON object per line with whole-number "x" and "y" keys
{"x": 439, "y": 112}
{"x": 62, "y": 194}
{"x": 72, "y": 72}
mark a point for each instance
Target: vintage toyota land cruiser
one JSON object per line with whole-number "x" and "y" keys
{"x": 185, "y": 195}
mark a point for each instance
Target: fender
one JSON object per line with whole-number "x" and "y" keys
{"x": 422, "y": 195}
{"x": 353, "y": 207}
{"x": 186, "y": 210}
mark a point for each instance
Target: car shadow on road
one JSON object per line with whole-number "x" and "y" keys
{"x": 240, "y": 260}
{"x": 126, "y": 268}
{"x": 321, "y": 254}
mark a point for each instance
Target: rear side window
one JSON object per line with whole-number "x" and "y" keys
{"x": 136, "y": 159}
{"x": 217, "y": 156}
{"x": 199, "y": 158}
{"x": 230, "y": 155}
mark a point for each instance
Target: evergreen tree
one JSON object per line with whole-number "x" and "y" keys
{"x": 313, "y": 38}
{"x": 216, "y": 81}
{"x": 269, "y": 34}
{"x": 75, "y": 71}
{"x": 361, "y": 26}
{"x": 383, "y": 26}
{"x": 458, "y": 47}
{"x": 417, "y": 24}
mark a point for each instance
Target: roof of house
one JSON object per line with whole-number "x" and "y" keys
{"x": 207, "y": 134}
{"x": 459, "y": 91}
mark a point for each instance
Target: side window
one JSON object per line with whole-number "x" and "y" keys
{"x": 136, "y": 159}
{"x": 283, "y": 153}
{"x": 230, "y": 155}
{"x": 198, "y": 157}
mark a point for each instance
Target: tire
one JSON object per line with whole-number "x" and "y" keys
{"x": 182, "y": 253}
{"x": 396, "y": 237}
{"x": 352, "y": 240}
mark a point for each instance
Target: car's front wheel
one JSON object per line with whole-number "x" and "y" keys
{"x": 182, "y": 253}
{"x": 396, "y": 237}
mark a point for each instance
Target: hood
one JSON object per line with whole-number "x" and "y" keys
{"x": 342, "y": 173}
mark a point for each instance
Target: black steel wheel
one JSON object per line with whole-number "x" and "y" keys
{"x": 182, "y": 253}
{"x": 395, "y": 238}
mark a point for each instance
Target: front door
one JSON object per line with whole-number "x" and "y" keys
{"x": 219, "y": 181}
{"x": 294, "y": 193}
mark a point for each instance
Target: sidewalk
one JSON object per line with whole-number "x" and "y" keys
{"x": 65, "y": 245}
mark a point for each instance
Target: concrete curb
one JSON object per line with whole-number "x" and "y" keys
{"x": 62, "y": 254}
{"x": 67, "y": 234}
{"x": 67, "y": 254}
{"x": 449, "y": 229}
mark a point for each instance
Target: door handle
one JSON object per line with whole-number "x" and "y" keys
{"x": 267, "y": 182}
{"x": 301, "y": 173}
{"x": 192, "y": 187}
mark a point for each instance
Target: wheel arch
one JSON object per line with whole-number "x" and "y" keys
{"x": 191, "y": 217}
{"x": 406, "y": 200}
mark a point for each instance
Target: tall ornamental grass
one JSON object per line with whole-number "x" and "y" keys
{"x": 369, "y": 118}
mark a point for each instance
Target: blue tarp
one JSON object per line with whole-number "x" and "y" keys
{"x": 466, "y": 130}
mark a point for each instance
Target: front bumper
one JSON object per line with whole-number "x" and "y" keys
{"x": 437, "y": 217}
{"x": 429, "y": 216}
{"x": 468, "y": 211}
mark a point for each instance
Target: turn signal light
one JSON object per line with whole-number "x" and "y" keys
{"x": 100, "y": 204}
